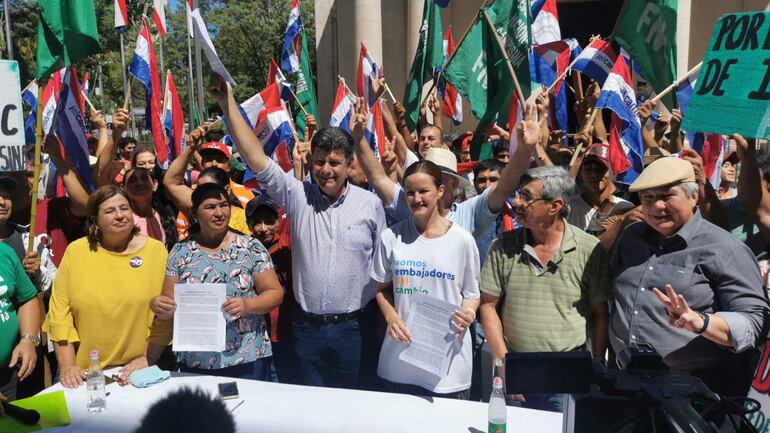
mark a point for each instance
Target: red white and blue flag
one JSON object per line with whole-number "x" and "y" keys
{"x": 291, "y": 42}
{"x": 453, "y": 102}
{"x": 159, "y": 15}
{"x": 626, "y": 148}
{"x": 173, "y": 118}
{"x": 121, "y": 15}
{"x": 84, "y": 86}
{"x": 274, "y": 129}
{"x": 266, "y": 99}
{"x": 71, "y": 127}
{"x": 548, "y": 62}
{"x": 145, "y": 69}
{"x": 29, "y": 96}
{"x": 367, "y": 73}
{"x": 274, "y": 75}
{"x": 188, "y": 10}
{"x": 342, "y": 108}
{"x": 596, "y": 60}
{"x": 375, "y": 130}
{"x": 545, "y": 22}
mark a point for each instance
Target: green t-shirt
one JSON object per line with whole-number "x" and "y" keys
{"x": 15, "y": 289}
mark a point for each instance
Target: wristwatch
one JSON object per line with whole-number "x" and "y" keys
{"x": 33, "y": 338}
{"x": 705, "y": 318}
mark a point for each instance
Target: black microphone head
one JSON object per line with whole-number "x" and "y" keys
{"x": 27, "y": 416}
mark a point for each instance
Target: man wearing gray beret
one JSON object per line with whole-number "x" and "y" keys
{"x": 685, "y": 286}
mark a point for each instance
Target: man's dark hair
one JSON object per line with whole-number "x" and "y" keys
{"x": 488, "y": 164}
{"x": 125, "y": 141}
{"x": 331, "y": 139}
{"x": 214, "y": 135}
{"x": 498, "y": 146}
{"x": 763, "y": 162}
{"x": 187, "y": 411}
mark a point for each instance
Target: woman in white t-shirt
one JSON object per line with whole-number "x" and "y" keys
{"x": 426, "y": 255}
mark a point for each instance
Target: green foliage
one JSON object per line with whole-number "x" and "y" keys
{"x": 246, "y": 33}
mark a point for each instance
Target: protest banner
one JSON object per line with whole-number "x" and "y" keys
{"x": 732, "y": 94}
{"x": 11, "y": 118}
{"x": 760, "y": 391}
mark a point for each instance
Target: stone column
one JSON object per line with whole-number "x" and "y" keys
{"x": 368, "y": 29}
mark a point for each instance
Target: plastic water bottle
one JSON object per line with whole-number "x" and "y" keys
{"x": 497, "y": 415}
{"x": 97, "y": 399}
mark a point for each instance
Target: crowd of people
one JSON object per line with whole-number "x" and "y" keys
{"x": 537, "y": 248}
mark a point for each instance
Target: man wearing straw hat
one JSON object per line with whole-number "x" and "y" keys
{"x": 685, "y": 286}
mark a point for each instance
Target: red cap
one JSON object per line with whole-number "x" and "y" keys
{"x": 600, "y": 151}
{"x": 466, "y": 143}
{"x": 216, "y": 145}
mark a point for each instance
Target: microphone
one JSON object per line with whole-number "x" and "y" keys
{"x": 27, "y": 416}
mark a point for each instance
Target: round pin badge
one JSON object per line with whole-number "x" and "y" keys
{"x": 136, "y": 261}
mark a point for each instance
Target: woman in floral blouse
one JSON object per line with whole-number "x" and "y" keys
{"x": 215, "y": 254}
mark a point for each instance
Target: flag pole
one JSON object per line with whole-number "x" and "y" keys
{"x": 294, "y": 95}
{"x": 190, "y": 81}
{"x": 160, "y": 39}
{"x": 507, "y": 61}
{"x": 561, "y": 76}
{"x": 122, "y": 62}
{"x": 36, "y": 171}
{"x": 350, "y": 92}
{"x": 101, "y": 85}
{"x": 676, "y": 82}
{"x": 199, "y": 73}
{"x": 577, "y": 81}
{"x": 449, "y": 60}
{"x": 575, "y": 162}
{"x": 387, "y": 88}
{"x": 569, "y": 68}
{"x": 8, "y": 40}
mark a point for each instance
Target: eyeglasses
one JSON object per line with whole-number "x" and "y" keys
{"x": 525, "y": 198}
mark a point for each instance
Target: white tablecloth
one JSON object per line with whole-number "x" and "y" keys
{"x": 272, "y": 407}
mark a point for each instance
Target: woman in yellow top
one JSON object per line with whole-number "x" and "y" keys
{"x": 101, "y": 295}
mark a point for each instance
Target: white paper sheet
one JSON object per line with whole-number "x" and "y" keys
{"x": 202, "y": 34}
{"x": 199, "y": 322}
{"x": 433, "y": 338}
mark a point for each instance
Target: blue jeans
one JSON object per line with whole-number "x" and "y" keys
{"x": 257, "y": 370}
{"x": 340, "y": 354}
{"x": 285, "y": 366}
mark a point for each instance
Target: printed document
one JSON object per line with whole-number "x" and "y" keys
{"x": 433, "y": 337}
{"x": 199, "y": 323}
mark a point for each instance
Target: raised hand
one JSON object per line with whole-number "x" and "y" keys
{"x": 218, "y": 88}
{"x": 675, "y": 122}
{"x": 680, "y": 315}
{"x": 745, "y": 148}
{"x": 693, "y": 158}
{"x": 119, "y": 121}
{"x": 645, "y": 111}
{"x": 358, "y": 120}
{"x": 97, "y": 118}
{"x": 196, "y": 138}
{"x": 400, "y": 112}
{"x": 529, "y": 128}
{"x": 542, "y": 102}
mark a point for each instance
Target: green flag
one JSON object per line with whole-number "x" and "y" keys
{"x": 302, "y": 84}
{"x": 647, "y": 30}
{"x": 428, "y": 57}
{"x": 478, "y": 69}
{"x": 66, "y": 33}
